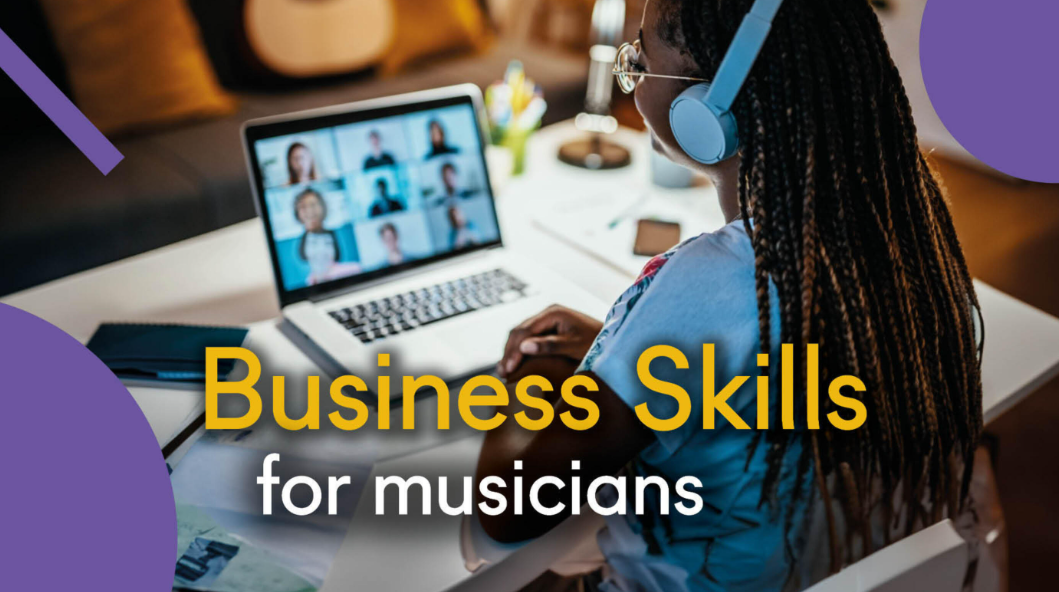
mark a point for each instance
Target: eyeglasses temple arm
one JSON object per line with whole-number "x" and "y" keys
{"x": 616, "y": 72}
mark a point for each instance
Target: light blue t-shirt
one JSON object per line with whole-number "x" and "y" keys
{"x": 702, "y": 291}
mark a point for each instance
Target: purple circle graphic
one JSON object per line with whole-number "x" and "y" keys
{"x": 86, "y": 501}
{"x": 990, "y": 70}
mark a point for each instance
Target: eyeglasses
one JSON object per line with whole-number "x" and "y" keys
{"x": 630, "y": 73}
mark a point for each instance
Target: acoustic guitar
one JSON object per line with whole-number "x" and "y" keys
{"x": 306, "y": 38}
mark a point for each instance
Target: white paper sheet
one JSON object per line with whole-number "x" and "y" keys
{"x": 219, "y": 474}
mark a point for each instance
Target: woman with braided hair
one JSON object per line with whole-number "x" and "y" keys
{"x": 838, "y": 234}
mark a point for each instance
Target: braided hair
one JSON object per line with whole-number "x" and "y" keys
{"x": 850, "y": 225}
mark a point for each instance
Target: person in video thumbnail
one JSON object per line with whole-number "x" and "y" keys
{"x": 301, "y": 165}
{"x": 378, "y": 157}
{"x": 438, "y": 145}
{"x": 463, "y": 232}
{"x": 319, "y": 246}
{"x": 838, "y": 236}
{"x": 391, "y": 241}
{"x": 450, "y": 183}
{"x": 384, "y": 203}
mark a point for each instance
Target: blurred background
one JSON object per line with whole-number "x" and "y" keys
{"x": 171, "y": 81}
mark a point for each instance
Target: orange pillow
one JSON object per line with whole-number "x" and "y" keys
{"x": 135, "y": 63}
{"x": 429, "y": 27}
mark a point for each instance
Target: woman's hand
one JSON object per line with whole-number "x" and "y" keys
{"x": 557, "y": 331}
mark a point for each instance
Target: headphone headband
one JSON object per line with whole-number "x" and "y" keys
{"x": 742, "y": 53}
{"x": 701, "y": 117}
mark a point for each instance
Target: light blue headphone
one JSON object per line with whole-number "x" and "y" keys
{"x": 700, "y": 117}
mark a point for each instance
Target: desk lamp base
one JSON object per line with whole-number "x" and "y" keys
{"x": 594, "y": 153}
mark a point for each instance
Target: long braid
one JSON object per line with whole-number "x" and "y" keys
{"x": 852, "y": 234}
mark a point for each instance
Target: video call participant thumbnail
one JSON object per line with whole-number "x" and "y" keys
{"x": 301, "y": 165}
{"x": 319, "y": 246}
{"x": 438, "y": 144}
{"x": 378, "y": 157}
{"x": 464, "y": 233}
{"x": 391, "y": 240}
{"x": 384, "y": 203}
{"x": 450, "y": 183}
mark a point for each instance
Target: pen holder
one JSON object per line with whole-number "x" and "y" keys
{"x": 515, "y": 106}
{"x": 515, "y": 141}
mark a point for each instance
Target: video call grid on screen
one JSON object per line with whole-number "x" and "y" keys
{"x": 350, "y": 197}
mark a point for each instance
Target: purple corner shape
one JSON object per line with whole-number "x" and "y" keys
{"x": 57, "y": 106}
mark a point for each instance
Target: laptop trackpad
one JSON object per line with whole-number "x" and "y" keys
{"x": 480, "y": 342}
{"x": 478, "y": 347}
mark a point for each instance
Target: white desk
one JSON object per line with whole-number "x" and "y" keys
{"x": 409, "y": 553}
{"x": 224, "y": 277}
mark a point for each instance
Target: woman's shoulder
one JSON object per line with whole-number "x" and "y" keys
{"x": 714, "y": 267}
{"x": 703, "y": 259}
{"x": 730, "y": 243}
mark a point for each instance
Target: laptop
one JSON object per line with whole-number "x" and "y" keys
{"x": 382, "y": 228}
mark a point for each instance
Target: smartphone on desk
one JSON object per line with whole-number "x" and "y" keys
{"x": 654, "y": 237}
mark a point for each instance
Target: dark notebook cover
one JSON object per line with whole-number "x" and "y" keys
{"x": 163, "y": 352}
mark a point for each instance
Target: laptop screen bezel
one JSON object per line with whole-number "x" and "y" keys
{"x": 336, "y": 117}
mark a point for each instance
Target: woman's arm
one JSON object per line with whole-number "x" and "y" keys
{"x": 617, "y": 437}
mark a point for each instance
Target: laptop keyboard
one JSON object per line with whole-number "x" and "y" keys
{"x": 379, "y": 319}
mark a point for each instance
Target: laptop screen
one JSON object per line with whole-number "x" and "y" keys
{"x": 356, "y": 196}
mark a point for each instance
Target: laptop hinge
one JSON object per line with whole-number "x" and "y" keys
{"x": 404, "y": 274}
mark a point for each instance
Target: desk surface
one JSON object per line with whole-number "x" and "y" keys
{"x": 224, "y": 277}
{"x": 413, "y": 553}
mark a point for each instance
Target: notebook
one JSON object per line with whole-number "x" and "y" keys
{"x": 169, "y": 353}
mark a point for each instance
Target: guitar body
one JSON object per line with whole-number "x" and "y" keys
{"x": 307, "y": 38}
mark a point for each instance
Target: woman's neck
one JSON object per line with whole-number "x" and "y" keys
{"x": 725, "y": 177}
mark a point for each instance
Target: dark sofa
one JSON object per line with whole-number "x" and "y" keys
{"x": 59, "y": 215}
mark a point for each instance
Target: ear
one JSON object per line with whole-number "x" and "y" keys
{"x": 705, "y": 132}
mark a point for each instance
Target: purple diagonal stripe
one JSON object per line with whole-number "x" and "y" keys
{"x": 57, "y": 106}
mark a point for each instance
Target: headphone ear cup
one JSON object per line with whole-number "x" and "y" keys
{"x": 705, "y": 133}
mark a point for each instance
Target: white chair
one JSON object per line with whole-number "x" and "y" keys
{"x": 932, "y": 560}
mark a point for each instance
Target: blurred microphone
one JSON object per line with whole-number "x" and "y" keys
{"x": 595, "y": 152}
